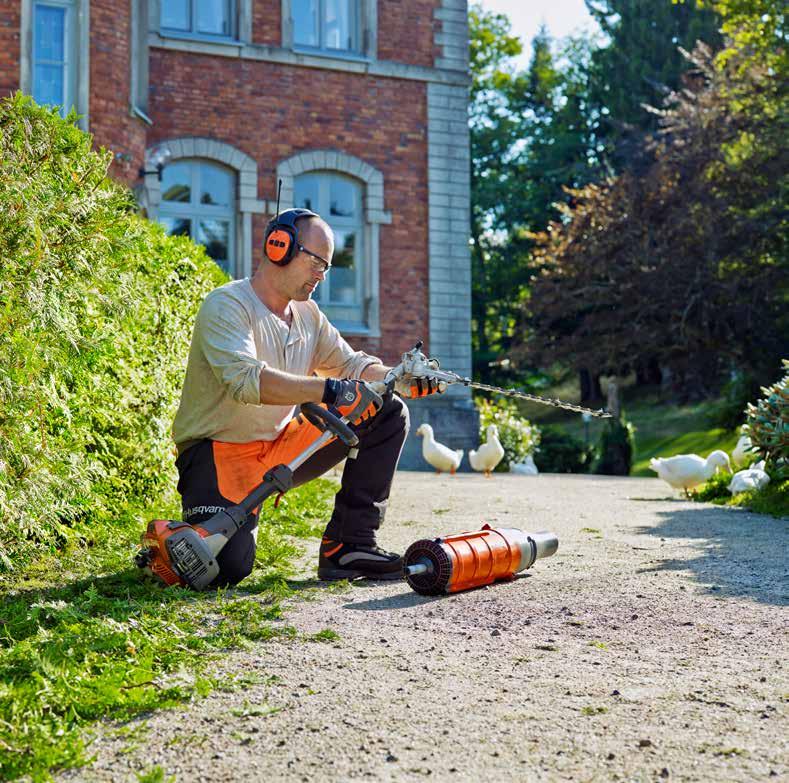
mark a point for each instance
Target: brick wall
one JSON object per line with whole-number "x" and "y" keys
{"x": 267, "y": 22}
{"x": 405, "y": 31}
{"x": 110, "y": 120}
{"x": 9, "y": 47}
{"x": 382, "y": 121}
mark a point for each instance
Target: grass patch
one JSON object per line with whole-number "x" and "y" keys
{"x": 155, "y": 775}
{"x": 83, "y": 637}
{"x": 594, "y": 710}
{"x": 773, "y": 500}
{"x": 326, "y": 635}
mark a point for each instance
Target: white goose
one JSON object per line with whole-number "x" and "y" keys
{"x": 525, "y": 468}
{"x": 685, "y": 471}
{"x": 741, "y": 451}
{"x": 754, "y": 477}
{"x": 489, "y": 454}
{"x": 437, "y": 454}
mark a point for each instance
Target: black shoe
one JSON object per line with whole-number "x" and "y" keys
{"x": 350, "y": 561}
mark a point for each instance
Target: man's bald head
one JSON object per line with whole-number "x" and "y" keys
{"x": 315, "y": 230}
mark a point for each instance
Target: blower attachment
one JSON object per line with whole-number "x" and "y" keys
{"x": 468, "y": 560}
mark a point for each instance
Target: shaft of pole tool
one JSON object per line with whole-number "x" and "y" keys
{"x": 467, "y": 560}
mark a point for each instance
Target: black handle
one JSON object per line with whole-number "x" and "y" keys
{"x": 323, "y": 420}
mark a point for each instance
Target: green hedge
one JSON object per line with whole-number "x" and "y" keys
{"x": 96, "y": 307}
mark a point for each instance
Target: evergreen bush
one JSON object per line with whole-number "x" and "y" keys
{"x": 560, "y": 452}
{"x": 767, "y": 422}
{"x": 96, "y": 306}
{"x": 616, "y": 448}
{"x": 517, "y": 435}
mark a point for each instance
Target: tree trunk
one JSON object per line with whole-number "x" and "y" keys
{"x": 648, "y": 373}
{"x": 590, "y": 386}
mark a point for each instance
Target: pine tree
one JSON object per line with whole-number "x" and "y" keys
{"x": 640, "y": 65}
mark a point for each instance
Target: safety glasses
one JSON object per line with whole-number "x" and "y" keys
{"x": 323, "y": 267}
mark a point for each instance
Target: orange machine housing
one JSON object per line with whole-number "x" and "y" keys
{"x": 474, "y": 559}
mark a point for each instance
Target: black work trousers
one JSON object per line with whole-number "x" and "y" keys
{"x": 359, "y": 505}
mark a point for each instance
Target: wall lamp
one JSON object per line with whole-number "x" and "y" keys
{"x": 159, "y": 157}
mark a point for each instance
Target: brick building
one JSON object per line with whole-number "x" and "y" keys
{"x": 358, "y": 106}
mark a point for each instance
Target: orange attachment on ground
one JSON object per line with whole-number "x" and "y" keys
{"x": 466, "y": 560}
{"x": 480, "y": 558}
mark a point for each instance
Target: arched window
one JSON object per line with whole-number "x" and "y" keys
{"x": 349, "y": 194}
{"x": 338, "y": 200}
{"x": 198, "y": 200}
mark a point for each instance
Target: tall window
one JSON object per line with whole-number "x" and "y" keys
{"x": 338, "y": 200}
{"x": 326, "y": 24}
{"x": 55, "y": 54}
{"x": 197, "y": 17}
{"x": 198, "y": 202}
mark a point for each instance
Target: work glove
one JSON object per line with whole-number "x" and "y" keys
{"x": 411, "y": 387}
{"x": 355, "y": 400}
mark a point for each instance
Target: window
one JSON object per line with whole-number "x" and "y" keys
{"x": 338, "y": 200}
{"x": 197, "y": 17}
{"x": 326, "y": 24}
{"x": 55, "y": 54}
{"x": 198, "y": 201}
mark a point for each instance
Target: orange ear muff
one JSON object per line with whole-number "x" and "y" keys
{"x": 278, "y": 245}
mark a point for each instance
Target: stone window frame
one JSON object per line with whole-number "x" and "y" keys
{"x": 212, "y": 151}
{"x": 372, "y": 180}
{"x": 82, "y": 75}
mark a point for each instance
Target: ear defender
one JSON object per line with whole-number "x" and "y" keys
{"x": 282, "y": 236}
{"x": 278, "y": 246}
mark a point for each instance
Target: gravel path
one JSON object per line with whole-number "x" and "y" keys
{"x": 652, "y": 646}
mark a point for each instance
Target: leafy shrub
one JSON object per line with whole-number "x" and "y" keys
{"x": 616, "y": 448}
{"x": 715, "y": 489}
{"x": 767, "y": 422}
{"x": 560, "y": 452}
{"x": 518, "y": 437}
{"x": 96, "y": 307}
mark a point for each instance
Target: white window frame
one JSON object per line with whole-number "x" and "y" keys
{"x": 194, "y": 211}
{"x": 193, "y": 32}
{"x": 365, "y": 44}
{"x": 355, "y": 27}
{"x": 240, "y": 26}
{"x": 334, "y": 308}
{"x": 373, "y": 215}
{"x": 77, "y": 54}
{"x": 68, "y": 99}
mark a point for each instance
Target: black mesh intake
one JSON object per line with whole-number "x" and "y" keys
{"x": 439, "y": 573}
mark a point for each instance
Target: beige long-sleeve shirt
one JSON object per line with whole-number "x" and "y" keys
{"x": 235, "y": 337}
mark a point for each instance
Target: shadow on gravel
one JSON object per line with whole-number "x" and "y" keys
{"x": 401, "y": 601}
{"x": 738, "y": 553}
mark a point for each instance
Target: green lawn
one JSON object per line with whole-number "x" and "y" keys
{"x": 84, "y": 637}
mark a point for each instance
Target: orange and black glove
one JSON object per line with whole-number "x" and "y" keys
{"x": 355, "y": 400}
{"x": 420, "y": 387}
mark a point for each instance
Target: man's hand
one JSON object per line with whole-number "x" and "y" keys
{"x": 419, "y": 387}
{"x": 412, "y": 388}
{"x": 355, "y": 400}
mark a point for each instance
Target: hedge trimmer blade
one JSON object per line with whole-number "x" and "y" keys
{"x": 415, "y": 364}
{"x": 600, "y": 413}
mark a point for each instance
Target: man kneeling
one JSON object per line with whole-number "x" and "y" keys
{"x": 260, "y": 347}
